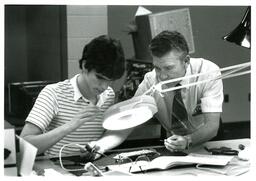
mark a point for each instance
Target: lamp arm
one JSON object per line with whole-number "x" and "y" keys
{"x": 244, "y": 65}
{"x": 237, "y": 74}
{"x": 200, "y": 82}
{"x": 151, "y": 90}
{"x": 232, "y": 70}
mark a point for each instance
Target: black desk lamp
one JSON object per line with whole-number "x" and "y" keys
{"x": 241, "y": 35}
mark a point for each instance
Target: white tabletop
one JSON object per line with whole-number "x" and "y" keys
{"x": 190, "y": 171}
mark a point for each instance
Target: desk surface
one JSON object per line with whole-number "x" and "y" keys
{"x": 46, "y": 163}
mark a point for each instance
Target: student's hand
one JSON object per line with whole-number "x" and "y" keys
{"x": 89, "y": 113}
{"x": 176, "y": 143}
{"x": 90, "y": 152}
{"x": 96, "y": 149}
{"x": 86, "y": 156}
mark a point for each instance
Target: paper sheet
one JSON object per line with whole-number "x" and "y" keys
{"x": 28, "y": 154}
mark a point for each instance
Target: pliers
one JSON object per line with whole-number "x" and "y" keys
{"x": 222, "y": 151}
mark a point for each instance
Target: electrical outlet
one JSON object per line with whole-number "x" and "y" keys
{"x": 226, "y": 98}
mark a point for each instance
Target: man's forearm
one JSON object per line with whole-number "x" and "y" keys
{"x": 202, "y": 135}
{"x": 112, "y": 139}
{"x": 47, "y": 140}
{"x": 208, "y": 130}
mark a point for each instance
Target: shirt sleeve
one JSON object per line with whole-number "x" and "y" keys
{"x": 212, "y": 98}
{"x": 44, "y": 109}
{"x": 146, "y": 84}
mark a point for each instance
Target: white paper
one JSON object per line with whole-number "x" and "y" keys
{"x": 165, "y": 162}
{"x": 9, "y": 143}
{"x": 142, "y": 11}
{"x": 27, "y": 157}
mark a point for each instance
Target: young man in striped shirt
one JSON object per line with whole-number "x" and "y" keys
{"x": 71, "y": 111}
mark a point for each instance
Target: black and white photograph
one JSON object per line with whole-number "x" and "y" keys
{"x": 127, "y": 89}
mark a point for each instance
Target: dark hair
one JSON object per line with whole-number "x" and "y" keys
{"x": 104, "y": 55}
{"x": 167, "y": 41}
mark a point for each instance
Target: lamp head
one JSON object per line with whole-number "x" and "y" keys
{"x": 130, "y": 113}
{"x": 241, "y": 35}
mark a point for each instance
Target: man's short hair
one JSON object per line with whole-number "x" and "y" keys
{"x": 105, "y": 55}
{"x": 167, "y": 41}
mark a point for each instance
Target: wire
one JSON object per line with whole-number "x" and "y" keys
{"x": 60, "y": 159}
{"x": 80, "y": 146}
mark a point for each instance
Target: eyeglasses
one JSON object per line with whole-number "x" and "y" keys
{"x": 102, "y": 77}
{"x": 139, "y": 164}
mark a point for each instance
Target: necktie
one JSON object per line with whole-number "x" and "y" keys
{"x": 180, "y": 123}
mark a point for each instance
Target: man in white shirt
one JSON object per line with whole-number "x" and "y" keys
{"x": 203, "y": 102}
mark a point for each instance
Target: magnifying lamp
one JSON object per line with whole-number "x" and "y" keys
{"x": 138, "y": 110}
{"x": 130, "y": 113}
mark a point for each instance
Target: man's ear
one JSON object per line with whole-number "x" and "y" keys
{"x": 187, "y": 59}
{"x": 83, "y": 66}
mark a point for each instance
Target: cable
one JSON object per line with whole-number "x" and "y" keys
{"x": 87, "y": 147}
{"x": 76, "y": 144}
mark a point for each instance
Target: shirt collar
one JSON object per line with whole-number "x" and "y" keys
{"x": 77, "y": 93}
{"x": 186, "y": 81}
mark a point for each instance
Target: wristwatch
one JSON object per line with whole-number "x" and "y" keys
{"x": 189, "y": 141}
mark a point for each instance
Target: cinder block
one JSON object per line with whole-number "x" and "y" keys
{"x": 75, "y": 47}
{"x": 86, "y": 26}
{"x": 92, "y": 10}
{"x": 73, "y": 68}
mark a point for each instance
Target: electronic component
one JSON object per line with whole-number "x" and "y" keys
{"x": 134, "y": 154}
{"x": 92, "y": 169}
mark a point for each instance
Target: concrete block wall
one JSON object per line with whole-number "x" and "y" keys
{"x": 83, "y": 24}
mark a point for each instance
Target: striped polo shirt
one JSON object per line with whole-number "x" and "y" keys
{"x": 57, "y": 104}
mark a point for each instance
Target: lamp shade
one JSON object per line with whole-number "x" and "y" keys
{"x": 130, "y": 113}
{"x": 241, "y": 35}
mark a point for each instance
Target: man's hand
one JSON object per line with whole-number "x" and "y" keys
{"x": 95, "y": 149}
{"x": 90, "y": 152}
{"x": 89, "y": 113}
{"x": 176, "y": 143}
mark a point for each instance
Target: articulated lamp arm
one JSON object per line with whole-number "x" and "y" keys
{"x": 228, "y": 72}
